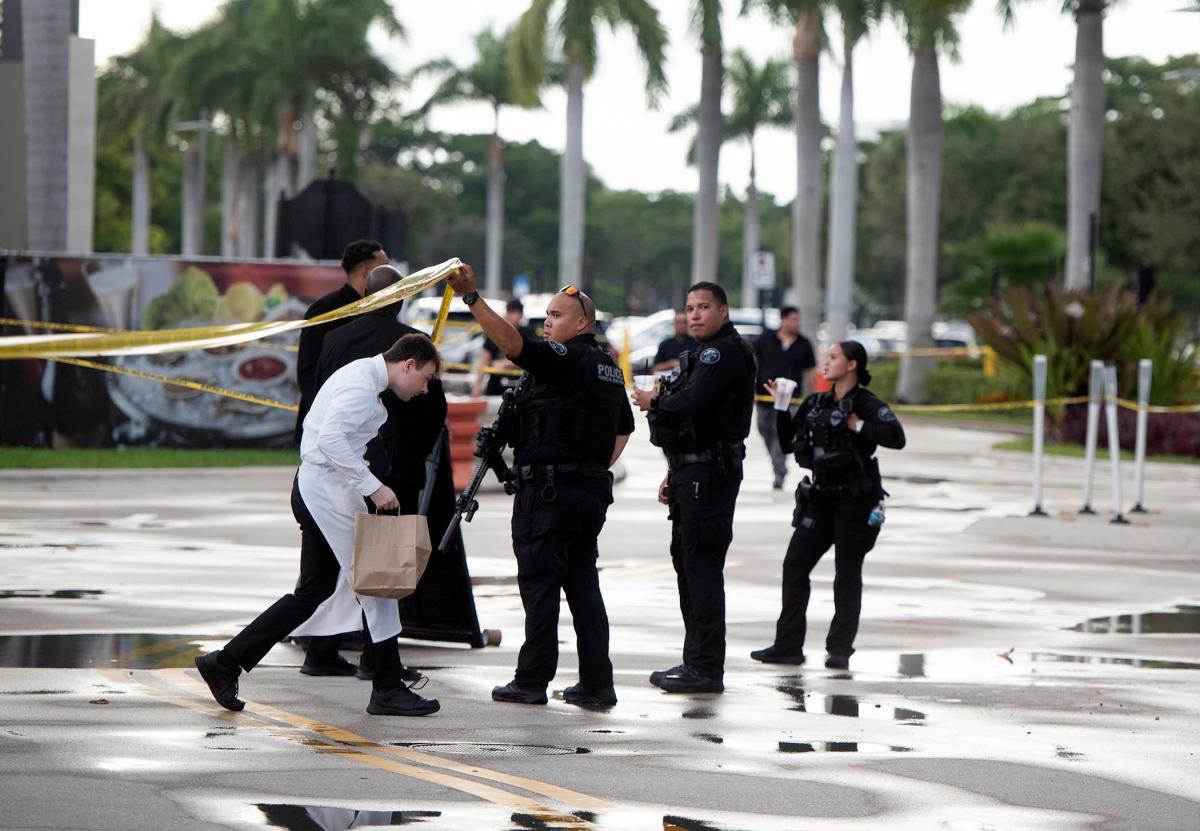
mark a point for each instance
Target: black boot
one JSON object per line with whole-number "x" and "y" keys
{"x": 658, "y": 675}
{"x": 774, "y": 655}
{"x": 222, "y": 681}
{"x": 588, "y": 699}
{"x": 691, "y": 681}
{"x": 400, "y": 701}
{"x": 514, "y": 693}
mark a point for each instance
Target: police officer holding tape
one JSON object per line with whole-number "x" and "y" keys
{"x": 834, "y": 434}
{"x": 701, "y": 421}
{"x": 568, "y": 430}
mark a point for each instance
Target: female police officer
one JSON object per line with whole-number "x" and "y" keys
{"x": 835, "y": 434}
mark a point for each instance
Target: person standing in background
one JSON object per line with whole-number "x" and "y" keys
{"x": 784, "y": 353}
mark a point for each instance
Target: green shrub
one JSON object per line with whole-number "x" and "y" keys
{"x": 953, "y": 382}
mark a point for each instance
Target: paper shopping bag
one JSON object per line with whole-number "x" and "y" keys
{"x": 390, "y": 554}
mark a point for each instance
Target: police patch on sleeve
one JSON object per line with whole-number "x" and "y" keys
{"x": 885, "y": 414}
{"x": 557, "y": 347}
{"x": 710, "y": 355}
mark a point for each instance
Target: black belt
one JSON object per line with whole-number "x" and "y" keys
{"x": 537, "y": 473}
{"x": 678, "y": 460}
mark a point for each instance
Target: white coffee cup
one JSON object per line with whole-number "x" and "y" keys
{"x": 645, "y": 383}
{"x": 784, "y": 388}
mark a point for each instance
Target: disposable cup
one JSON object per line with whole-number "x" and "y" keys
{"x": 784, "y": 388}
{"x": 645, "y": 383}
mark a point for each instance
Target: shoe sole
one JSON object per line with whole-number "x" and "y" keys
{"x": 236, "y": 705}
{"x": 710, "y": 690}
{"x": 325, "y": 673}
{"x": 789, "y": 661}
{"x": 532, "y": 702}
{"x": 590, "y": 704}
{"x": 425, "y": 710}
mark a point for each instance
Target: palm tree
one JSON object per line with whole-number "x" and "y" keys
{"x": 134, "y": 98}
{"x": 843, "y": 190}
{"x": 485, "y": 80}
{"x": 575, "y": 30}
{"x": 929, "y": 25}
{"x": 1085, "y": 139}
{"x": 706, "y": 17}
{"x": 807, "y": 17}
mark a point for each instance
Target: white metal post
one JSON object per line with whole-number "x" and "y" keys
{"x": 1039, "y": 430}
{"x": 1095, "y": 395}
{"x": 1114, "y": 439}
{"x": 1145, "y": 372}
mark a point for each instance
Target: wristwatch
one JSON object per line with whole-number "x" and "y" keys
{"x": 470, "y": 297}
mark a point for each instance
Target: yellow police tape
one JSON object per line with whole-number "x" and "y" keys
{"x": 153, "y": 342}
{"x": 443, "y": 313}
{"x": 960, "y": 408}
{"x": 79, "y": 327}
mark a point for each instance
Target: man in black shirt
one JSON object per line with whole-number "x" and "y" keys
{"x": 569, "y": 429}
{"x": 667, "y": 356}
{"x": 357, "y": 261}
{"x": 782, "y": 354}
{"x": 491, "y": 356}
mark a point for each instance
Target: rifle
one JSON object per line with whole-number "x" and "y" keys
{"x": 489, "y": 447}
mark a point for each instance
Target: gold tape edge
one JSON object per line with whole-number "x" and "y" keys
{"x": 443, "y": 312}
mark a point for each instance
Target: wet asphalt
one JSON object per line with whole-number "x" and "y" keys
{"x": 1012, "y": 672}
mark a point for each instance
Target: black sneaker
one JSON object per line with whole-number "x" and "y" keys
{"x": 400, "y": 701}
{"x": 338, "y": 666}
{"x": 658, "y": 675}
{"x": 222, "y": 682}
{"x": 835, "y": 661}
{"x": 581, "y": 696}
{"x": 690, "y": 681}
{"x": 774, "y": 655}
{"x": 514, "y": 693}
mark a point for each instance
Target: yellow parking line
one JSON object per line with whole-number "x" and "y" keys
{"x": 347, "y": 741}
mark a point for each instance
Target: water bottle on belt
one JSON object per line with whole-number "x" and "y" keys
{"x": 876, "y": 517}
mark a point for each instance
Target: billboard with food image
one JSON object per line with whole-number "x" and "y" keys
{"x": 46, "y": 403}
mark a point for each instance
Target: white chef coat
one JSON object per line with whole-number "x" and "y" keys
{"x": 334, "y": 478}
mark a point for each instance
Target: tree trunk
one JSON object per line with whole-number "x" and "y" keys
{"x": 705, "y": 236}
{"x": 573, "y": 185}
{"x": 306, "y": 164}
{"x": 750, "y": 234}
{"x": 806, "y": 209}
{"x": 495, "y": 212}
{"x": 140, "y": 241}
{"x": 250, "y": 207}
{"x": 1085, "y": 141}
{"x": 278, "y": 185}
{"x": 189, "y": 242}
{"x": 45, "y": 28}
{"x": 925, "y": 138}
{"x": 843, "y": 210}
{"x": 230, "y": 196}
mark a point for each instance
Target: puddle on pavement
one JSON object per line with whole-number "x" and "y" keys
{"x": 840, "y": 747}
{"x": 1181, "y": 620}
{"x": 493, "y": 748}
{"x": 711, "y": 738}
{"x": 36, "y": 692}
{"x": 700, "y": 713}
{"x": 107, "y": 650}
{"x": 845, "y": 705}
{"x": 1113, "y": 660}
{"x": 52, "y": 594}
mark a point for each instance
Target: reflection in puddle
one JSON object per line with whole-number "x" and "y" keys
{"x": 129, "y": 651}
{"x": 700, "y": 713}
{"x": 912, "y": 665}
{"x": 1144, "y": 663}
{"x": 712, "y": 738}
{"x": 1181, "y": 620}
{"x": 493, "y": 748}
{"x": 52, "y": 594}
{"x": 840, "y": 747}
{"x": 844, "y": 705}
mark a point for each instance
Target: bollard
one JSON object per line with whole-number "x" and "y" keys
{"x": 1039, "y": 430}
{"x": 1114, "y": 440}
{"x": 1095, "y": 395}
{"x": 1145, "y": 371}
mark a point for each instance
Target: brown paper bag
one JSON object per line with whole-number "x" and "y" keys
{"x": 390, "y": 554}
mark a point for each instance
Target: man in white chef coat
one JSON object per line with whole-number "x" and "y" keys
{"x": 328, "y": 492}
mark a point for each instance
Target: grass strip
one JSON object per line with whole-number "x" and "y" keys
{"x": 1024, "y": 444}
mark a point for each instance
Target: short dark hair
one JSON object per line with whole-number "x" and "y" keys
{"x": 717, "y": 292}
{"x": 515, "y": 305}
{"x": 381, "y": 277}
{"x": 359, "y": 252}
{"x": 416, "y": 346}
{"x": 784, "y": 311}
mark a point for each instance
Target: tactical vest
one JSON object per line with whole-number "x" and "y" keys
{"x": 677, "y": 433}
{"x": 835, "y": 460}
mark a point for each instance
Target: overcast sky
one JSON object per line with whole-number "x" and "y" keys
{"x": 627, "y": 144}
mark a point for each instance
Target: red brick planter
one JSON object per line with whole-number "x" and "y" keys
{"x": 463, "y": 419}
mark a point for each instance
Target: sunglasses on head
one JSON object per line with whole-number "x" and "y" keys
{"x": 572, "y": 291}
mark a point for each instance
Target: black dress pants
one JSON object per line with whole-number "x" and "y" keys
{"x": 701, "y": 502}
{"x": 319, "y": 572}
{"x": 842, "y": 525}
{"x": 555, "y": 543}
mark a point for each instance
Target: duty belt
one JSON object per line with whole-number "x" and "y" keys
{"x": 712, "y": 454}
{"x": 538, "y": 473}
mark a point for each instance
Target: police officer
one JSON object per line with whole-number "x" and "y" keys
{"x": 569, "y": 428}
{"x": 701, "y": 421}
{"x": 835, "y": 434}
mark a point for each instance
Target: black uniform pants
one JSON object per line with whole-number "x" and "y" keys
{"x": 555, "y": 543}
{"x": 701, "y": 502}
{"x": 323, "y": 649}
{"x": 842, "y": 525}
{"x": 319, "y": 571}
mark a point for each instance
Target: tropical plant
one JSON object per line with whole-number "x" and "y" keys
{"x": 486, "y": 80}
{"x": 572, "y": 33}
{"x": 1006, "y": 255}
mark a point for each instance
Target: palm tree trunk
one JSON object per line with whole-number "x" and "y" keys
{"x": 495, "y": 211}
{"x": 250, "y": 207}
{"x": 750, "y": 234}
{"x": 806, "y": 209}
{"x": 189, "y": 242}
{"x": 925, "y": 139}
{"x": 306, "y": 165}
{"x": 46, "y": 29}
{"x": 1085, "y": 141}
{"x": 140, "y": 241}
{"x": 230, "y": 196}
{"x": 843, "y": 210}
{"x": 705, "y": 237}
{"x": 573, "y": 185}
